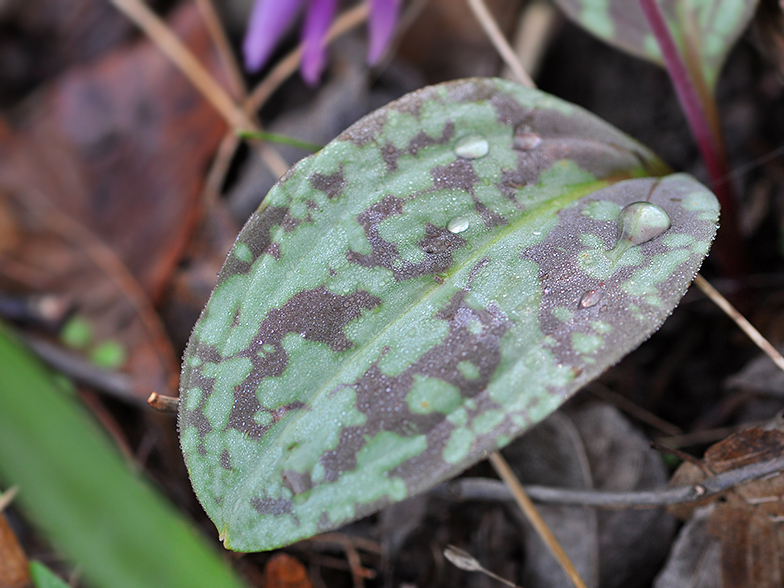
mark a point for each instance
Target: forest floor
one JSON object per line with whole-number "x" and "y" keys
{"x": 121, "y": 192}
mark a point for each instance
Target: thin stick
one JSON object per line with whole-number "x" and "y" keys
{"x": 181, "y": 56}
{"x": 500, "y": 43}
{"x": 507, "y": 475}
{"x": 493, "y": 490}
{"x": 233, "y": 71}
{"x": 740, "y": 320}
{"x": 7, "y": 497}
{"x": 635, "y": 410}
{"x": 163, "y": 403}
{"x": 289, "y": 64}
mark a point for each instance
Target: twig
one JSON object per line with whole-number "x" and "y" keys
{"x": 289, "y": 64}
{"x": 259, "y": 96}
{"x": 534, "y": 29}
{"x": 705, "y": 435}
{"x": 7, "y": 497}
{"x": 233, "y": 71}
{"x": 493, "y": 490}
{"x": 181, "y": 56}
{"x": 740, "y": 320}
{"x": 507, "y": 475}
{"x": 635, "y": 410}
{"x": 157, "y": 30}
{"x": 500, "y": 43}
{"x": 163, "y": 403}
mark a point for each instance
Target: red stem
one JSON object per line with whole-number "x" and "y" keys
{"x": 707, "y": 137}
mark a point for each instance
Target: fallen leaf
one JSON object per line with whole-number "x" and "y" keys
{"x": 13, "y": 563}
{"x": 99, "y": 188}
{"x": 285, "y": 571}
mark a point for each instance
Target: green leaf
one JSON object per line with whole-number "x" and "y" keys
{"x": 43, "y": 577}
{"x": 436, "y": 280}
{"x": 705, "y": 30}
{"x": 77, "y": 489}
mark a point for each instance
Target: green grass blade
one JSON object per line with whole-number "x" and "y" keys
{"x": 78, "y": 491}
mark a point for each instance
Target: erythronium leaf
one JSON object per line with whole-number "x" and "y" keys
{"x": 705, "y": 30}
{"x": 437, "y": 279}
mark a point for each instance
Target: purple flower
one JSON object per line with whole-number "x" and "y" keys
{"x": 271, "y": 18}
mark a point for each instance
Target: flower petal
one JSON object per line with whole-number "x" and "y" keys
{"x": 313, "y": 36}
{"x": 383, "y": 18}
{"x": 268, "y": 23}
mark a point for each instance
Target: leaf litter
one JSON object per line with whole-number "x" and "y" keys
{"x": 497, "y": 526}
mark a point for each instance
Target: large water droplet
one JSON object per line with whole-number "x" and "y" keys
{"x": 590, "y": 298}
{"x": 640, "y": 222}
{"x": 472, "y": 147}
{"x": 457, "y": 225}
{"x": 525, "y": 139}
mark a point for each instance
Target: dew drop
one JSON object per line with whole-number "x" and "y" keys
{"x": 590, "y": 298}
{"x": 472, "y": 147}
{"x": 525, "y": 139}
{"x": 458, "y": 224}
{"x": 641, "y": 221}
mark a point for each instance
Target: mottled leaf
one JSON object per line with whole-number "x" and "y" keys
{"x": 705, "y": 30}
{"x": 437, "y": 279}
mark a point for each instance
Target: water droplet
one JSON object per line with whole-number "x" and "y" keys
{"x": 590, "y": 298}
{"x": 457, "y": 225}
{"x": 472, "y": 147}
{"x": 641, "y": 221}
{"x": 525, "y": 139}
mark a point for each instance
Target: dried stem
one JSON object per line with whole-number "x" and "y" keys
{"x": 500, "y": 43}
{"x": 740, "y": 320}
{"x": 7, "y": 497}
{"x": 157, "y": 30}
{"x": 163, "y": 403}
{"x": 290, "y": 63}
{"x": 487, "y": 489}
{"x": 507, "y": 475}
{"x": 233, "y": 72}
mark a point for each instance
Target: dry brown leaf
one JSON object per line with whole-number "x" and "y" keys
{"x": 285, "y": 571}
{"x": 752, "y": 551}
{"x": 99, "y": 193}
{"x": 13, "y": 563}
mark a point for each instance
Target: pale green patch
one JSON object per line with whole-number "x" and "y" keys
{"x": 562, "y": 313}
{"x": 459, "y": 417}
{"x": 228, "y": 374}
{"x": 595, "y": 263}
{"x": 592, "y": 241}
{"x": 262, "y": 418}
{"x": 699, "y": 201}
{"x": 419, "y": 334}
{"x": 586, "y": 343}
{"x": 650, "y": 47}
{"x": 601, "y": 210}
{"x": 468, "y": 370}
{"x": 458, "y": 446}
{"x": 486, "y": 421}
{"x": 596, "y": 17}
{"x": 644, "y": 281}
{"x": 194, "y": 398}
{"x": 678, "y": 240}
{"x": 243, "y": 252}
{"x": 601, "y": 327}
{"x": 432, "y": 395}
